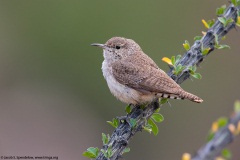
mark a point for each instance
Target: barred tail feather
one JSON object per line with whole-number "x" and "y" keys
{"x": 180, "y": 95}
{"x": 189, "y": 96}
{"x": 167, "y": 95}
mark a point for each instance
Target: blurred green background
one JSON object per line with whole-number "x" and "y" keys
{"x": 54, "y": 100}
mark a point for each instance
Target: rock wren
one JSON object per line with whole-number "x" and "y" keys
{"x": 133, "y": 77}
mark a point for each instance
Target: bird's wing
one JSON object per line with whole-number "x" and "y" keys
{"x": 143, "y": 76}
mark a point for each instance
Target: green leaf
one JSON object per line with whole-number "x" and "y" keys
{"x": 223, "y": 20}
{"x": 113, "y": 123}
{"x": 91, "y": 152}
{"x": 223, "y": 38}
{"x": 197, "y": 38}
{"x": 109, "y": 152}
{"x": 105, "y": 138}
{"x": 222, "y": 122}
{"x": 205, "y": 51}
{"x": 237, "y": 106}
{"x": 178, "y": 58}
{"x": 186, "y": 45}
{"x": 179, "y": 69}
{"x": 157, "y": 110}
{"x": 223, "y": 46}
{"x": 173, "y": 60}
{"x": 148, "y": 128}
{"x": 191, "y": 69}
{"x": 126, "y": 150}
{"x": 104, "y": 153}
{"x": 211, "y": 22}
{"x": 142, "y": 106}
{"x": 226, "y": 154}
{"x": 163, "y": 100}
{"x": 230, "y": 20}
{"x": 133, "y": 122}
{"x": 210, "y": 136}
{"x": 216, "y": 39}
{"x": 157, "y": 117}
{"x": 234, "y": 2}
{"x": 128, "y": 109}
{"x": 88, "y": 155}
{"x": 197, "y": 75}
{"x": 194, "y": 68}
{"x": 221, "y": 10}
{"x": 154, "y": 127}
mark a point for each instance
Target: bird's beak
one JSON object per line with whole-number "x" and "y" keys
{"x": 98, "y": 45}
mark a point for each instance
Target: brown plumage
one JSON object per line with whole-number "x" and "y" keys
{"x": 133, "y": 77}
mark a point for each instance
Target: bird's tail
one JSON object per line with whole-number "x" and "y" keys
{"x": 185, "y": 95}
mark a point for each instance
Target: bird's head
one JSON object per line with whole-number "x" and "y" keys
{"x": 118, "y": 48}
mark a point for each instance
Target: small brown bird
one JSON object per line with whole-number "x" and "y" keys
{"x": 133, "y": 77}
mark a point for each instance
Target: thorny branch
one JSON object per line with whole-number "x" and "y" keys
{"x": 221, "y": 139}
{"x": 122, "y": 134}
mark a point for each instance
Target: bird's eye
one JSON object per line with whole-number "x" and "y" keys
{"x": 117, "y": 47}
